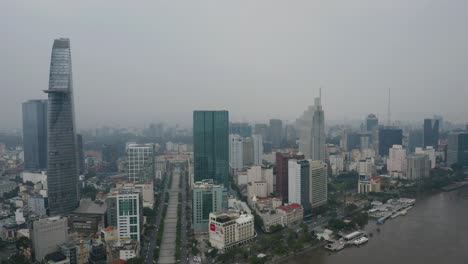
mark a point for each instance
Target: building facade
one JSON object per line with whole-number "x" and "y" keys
{"x": 318, "y": 183}
{"x": 431, "y": 133}
{"x": 311, "y": 128}
{"x": 207, "y": 198}
{"x": 140, "y": 162}
{"x": 396, "y": 162}
{"x": 276, "y": 132}
{"x": 457, "y": 149}
{"x": 418, "y": 166}
{"x": 282, "y": 172}
{"x": 211, "y": 146}
{"x": 236, "y": 152}
{"x": 47, "y": 234}
{"x": 62, "y": 164}
{"x": 35, "y": 134}
{"x": 230, "y": 229}
{"x": 257, "y": 149}
{"x": 387, "y": 137}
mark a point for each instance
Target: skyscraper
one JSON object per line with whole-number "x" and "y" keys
{"x": 311, "y": 127}
{"x": 80, "y": 150}
{"x": 276, "y": 132}
{"x": 318, "y": 183}
{"x": 371, "y": 122}
{"x": 207, "y": 198}
{"x": 387, "y": 137}
{"x": 236, "y": 152}
{"x": 211, "y": 145}
{"x": 35, "y": 134}
{"x": 299, "y": 182}
{"x": 140, "y": 160}
{"x": 258, "y": 149}
{"x": 282, "y": 172}
{"x": 62, "y": 169}
{"x": 457, "y": 149}
{"x": 418, "y": 167}
{"x": 431, "y": 132}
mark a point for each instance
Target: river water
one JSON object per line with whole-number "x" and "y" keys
{"x": 435, "y": 231}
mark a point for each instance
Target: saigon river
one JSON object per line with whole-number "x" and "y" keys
{"x": 435, "y": 231}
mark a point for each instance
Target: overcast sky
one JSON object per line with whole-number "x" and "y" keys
{"x": 137, "y": 62}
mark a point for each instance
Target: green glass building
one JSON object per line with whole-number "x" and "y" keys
{"x": 211, "y": 146}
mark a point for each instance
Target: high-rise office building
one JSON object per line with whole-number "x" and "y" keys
{"x": 236, "y": 152}
{"x": 457, "y": 148}
{"x": 430, "y": 152}
{"x": 350, "y": 140}
{"x": 128, "y": 214}
{"x": 47, "y": 234}
{"x": 248, "y": 149}
{"x": 62, "y": 168}
{"x": 110, "y": 157}
{"x": 311, "y": 127}
{"x": 431, "y": 133}
{"x": 282, "y": 172}
{"x": 140, "y": 161}
{"x": 299, "y": 182}
{"x": 262, "y": 129}
{"x": 207, "y": 198}
{"x": 276, "y": 132}
{"x": 418, "y": 166}
{"x": 35, "y": 134}
{"x": 211, "y": 145}
{"x": 371, "y": 122}
{"x": 396, "y": 162}
{"x": 318, "y": 183}
{"x": 415, "y": 139}
{"x": 80, "y": 150}
{"x": 387, "y": 137}
{"x": 257, "y": 149}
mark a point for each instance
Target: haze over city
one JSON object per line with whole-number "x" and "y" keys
{"x": 136, "y": 63}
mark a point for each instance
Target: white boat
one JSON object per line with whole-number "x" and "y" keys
{"x": 360, "y": 241}
{"x": 404, "y": 212}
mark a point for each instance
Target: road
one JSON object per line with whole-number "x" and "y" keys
{"x": 183, "y": 252}
{"x": 148, "y": 249}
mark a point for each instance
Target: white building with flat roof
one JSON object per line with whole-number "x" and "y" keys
{"x": 230, "y": 229}
{"x": 396, "y": 162}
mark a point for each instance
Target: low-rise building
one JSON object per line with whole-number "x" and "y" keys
{"x": 273, "y": 213}
{"x": 230, "y": 229}
{"x": 368, "y": 184}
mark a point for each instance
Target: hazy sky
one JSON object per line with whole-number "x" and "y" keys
{"x": 136, "y": 62}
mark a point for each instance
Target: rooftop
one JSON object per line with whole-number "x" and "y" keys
{"x": 87, "y": 206}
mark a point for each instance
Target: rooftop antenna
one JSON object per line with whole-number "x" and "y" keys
{"x": 388, "y": 109}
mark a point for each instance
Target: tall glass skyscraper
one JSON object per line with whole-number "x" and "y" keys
{"x": 62, "y": 173}
{"x": 211, "y": 145}
{"x": 35, "y": 134}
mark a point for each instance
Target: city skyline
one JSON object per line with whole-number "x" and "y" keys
{"x": 220, "y": 68}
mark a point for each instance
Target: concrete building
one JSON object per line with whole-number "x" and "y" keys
{"x": 257, "y": 189}
{"x": 272, "y": 213}
{"x": 230, "y": 229}
{"x": 282, "y": 159}
{"x": 211, "y": 146}
{"x": 311, "y": 129}
{"x": 257, "y": 149}
{"x": 38, "y": 205}
{"x": 261, "y": 174}
{"x": 71, "y": 251}
{"x": 140, "y": 161}
{"x": 128, "y": 215}
{"x": 299, "y": 182}
{"x": 62, "y": 180}
{"x": 396, "y": 162}
{"x": 89, "y": 217}
{"x": 457, "y": 149}
{"x": 248, "y": 151}
{"x": 262, "y": 129}
{"x": 7, "y": 186}
{"x": 47, "y": 234}
{"x": 318, "y": 189}
{"x": 242, "y": 129}
{"x": 236, "y": 152}
{"x": 368, "y": 184}
{"x": 35, "y": 134}
{"x": 430, "y": 152}
{"x": 207, "y": 198}
{"x": 56, "y": 258}
{"x": 418, "y": 166}
{"x": 336, "y": 164}
{"x": 366, "y": 167}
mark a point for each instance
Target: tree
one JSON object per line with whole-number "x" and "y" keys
{"x": 276, "y": 228}
{"x": 23, "y": 243}
{"x": 135, "y": 261}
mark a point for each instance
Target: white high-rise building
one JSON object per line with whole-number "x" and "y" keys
{"x": 366, "y": 167}
{"x": 430, "y": 152}
{"x": 294, "y": 181}
{"x": 236, "y": 152}
{"x": 128, "y": 214}
{"x": 318, "y": 190}
{"x": 258, "y": 149}
{"x": 230, "y": 229}
{"x": 140, "y": 160}
{"x": 396, "y": 162}
{"x": 261, "y": 176}
{"x": 311, "y": 128}
{"x": 418, "y": 166}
